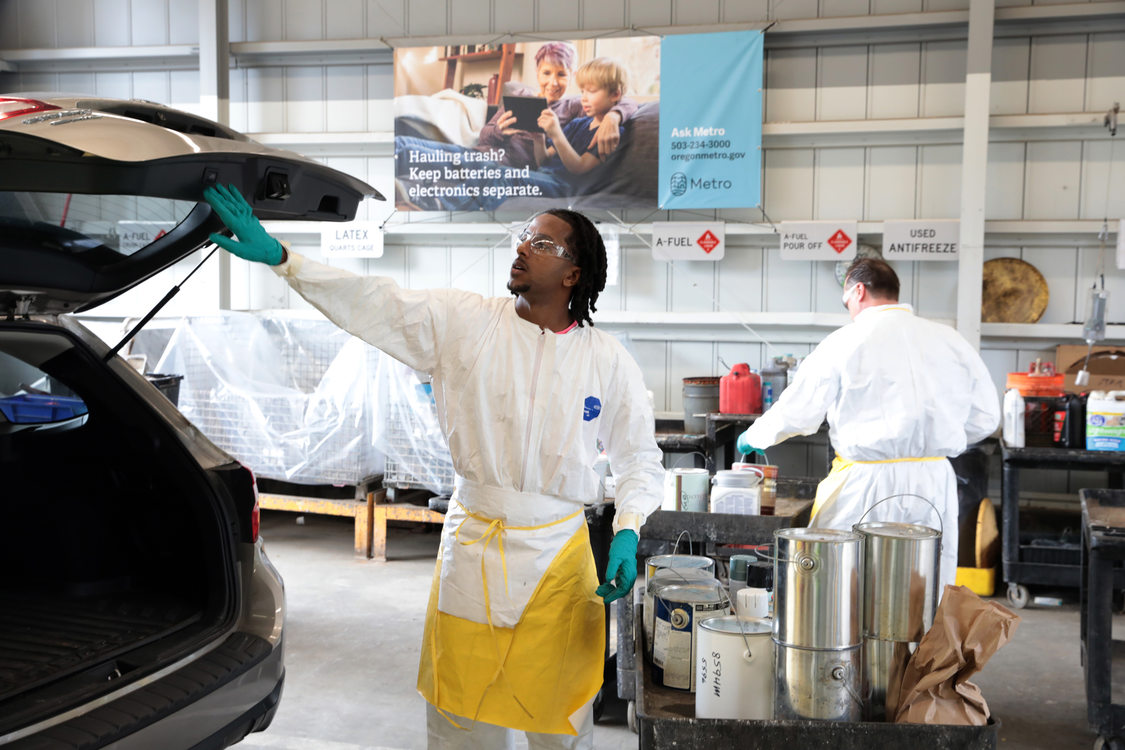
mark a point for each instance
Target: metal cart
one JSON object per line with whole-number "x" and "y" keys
{"x": 712, "y": 534}
{"x": 1053, "y": 566}
{"x": 1103, "y": 548}
{"x": 665, "y": 718}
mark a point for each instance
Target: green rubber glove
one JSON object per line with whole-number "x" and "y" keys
{"x": 254, "y": 243}
{"x": 621, "y": 569}
{"x": 743, "y": 444}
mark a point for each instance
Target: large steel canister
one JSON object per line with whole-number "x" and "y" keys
{"x": 678, "y": 612}
{"x": 661, "y": 579}
{"x": 900, "y": 583}
{"x": 884, "y": 664}
{"x": 734, "y": 668}
{"x": 817, "y": 684}
{"x": 817, "y": 588}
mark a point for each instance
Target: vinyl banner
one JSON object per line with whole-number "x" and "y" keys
{"x": 711, "y": 124}
{"x": 527, "y": 125}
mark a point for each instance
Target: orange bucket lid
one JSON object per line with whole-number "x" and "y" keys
{"x": 1036, "y": 385}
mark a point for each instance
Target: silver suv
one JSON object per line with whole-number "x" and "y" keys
{"x": 137, "y": 606}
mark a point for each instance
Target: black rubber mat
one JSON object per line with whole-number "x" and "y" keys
{"x": 43, "y": 638}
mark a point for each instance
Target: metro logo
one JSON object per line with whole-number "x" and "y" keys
{"x": 839, "y": 241}
{"x": 707, "y": 241}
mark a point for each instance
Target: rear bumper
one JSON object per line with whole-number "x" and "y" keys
{"x": 232, "y": 687}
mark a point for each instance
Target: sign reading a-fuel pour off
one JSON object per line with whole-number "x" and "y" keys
{"x": 818, "y": 240}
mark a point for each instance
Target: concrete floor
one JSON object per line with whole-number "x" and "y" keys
{"x": 353, "y": 630}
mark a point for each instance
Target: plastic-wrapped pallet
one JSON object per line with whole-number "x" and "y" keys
{"x": 299, "y": 400}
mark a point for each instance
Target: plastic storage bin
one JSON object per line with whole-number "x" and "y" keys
{"x": 31, "y": 408}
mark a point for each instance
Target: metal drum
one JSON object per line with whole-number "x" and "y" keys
{"x": 884, "y": 663}
{"x": 662, "y": 579}
{"x": 817, "y": 588}
{"x": 734, "y": 669}
{"x": 817, "y": 684}
{"x": 678, "y": 611}
{"x": 902, "y": 562}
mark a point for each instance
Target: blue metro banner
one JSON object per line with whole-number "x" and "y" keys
{"x": 711, "y": 120}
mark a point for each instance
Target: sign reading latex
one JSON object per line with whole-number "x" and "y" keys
{"x": 711, "y": 120}
{"x": 352, "y": 239}
{"x": 134, "y": 235}
{"x": 678, "y": 240}
{"x": 922, "y": 239}
{"x": 818, "y": 240}
{"x": 540, "y": 146}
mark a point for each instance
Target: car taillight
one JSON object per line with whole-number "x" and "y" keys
{"x": 256, "y": 511}
{"x": 15, "y": 107}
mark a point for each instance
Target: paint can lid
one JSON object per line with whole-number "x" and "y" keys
{"x": 738, "y": 625}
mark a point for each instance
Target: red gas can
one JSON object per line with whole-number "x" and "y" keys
{"x": 740, "y": 391}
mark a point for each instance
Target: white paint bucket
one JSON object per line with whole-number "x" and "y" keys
{"x": 734, "y": 669}
{"x": 678, "y": 612}
{"x": 686, "y": 489}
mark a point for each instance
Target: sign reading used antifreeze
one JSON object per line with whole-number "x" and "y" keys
{"x": 681, "y": 240}
{"x": 710, "y": 120}
{"x": 353, "y": 239}
{"x": 818, "y": 240}
{"x": 921, "y": 239}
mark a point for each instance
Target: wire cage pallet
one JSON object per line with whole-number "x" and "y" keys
{"x": 421, "y": 457}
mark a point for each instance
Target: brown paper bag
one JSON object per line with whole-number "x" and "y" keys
{"x": 966, "y": 632}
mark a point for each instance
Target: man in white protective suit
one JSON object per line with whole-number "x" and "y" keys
{"x": 901, "y": 395}
{"x": 515, "y": 631}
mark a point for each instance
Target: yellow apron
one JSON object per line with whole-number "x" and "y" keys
{"x": 514, "y": 634}
{"x": 830, "y": 487}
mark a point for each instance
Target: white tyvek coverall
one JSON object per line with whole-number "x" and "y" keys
{"x": 893, "y": 386}
{"x": 522, "y": 410}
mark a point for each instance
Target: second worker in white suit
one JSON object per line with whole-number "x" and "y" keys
{"x": 901, "y": 395}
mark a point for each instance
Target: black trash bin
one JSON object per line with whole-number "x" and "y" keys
{"x": 169, "y": 385}
{"x": 971, "y": 469}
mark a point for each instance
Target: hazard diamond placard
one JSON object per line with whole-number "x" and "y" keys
{"x": 818, "y": 240}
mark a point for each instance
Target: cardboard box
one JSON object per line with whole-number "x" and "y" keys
{"x": 1107, "y": 367}
{"x": 1105, "y": 421}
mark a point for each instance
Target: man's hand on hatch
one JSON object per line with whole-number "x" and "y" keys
{"x": 253, "y": 242}
{"x": 621, "y": 569}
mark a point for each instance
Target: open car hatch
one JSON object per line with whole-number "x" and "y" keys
{"x": 97, "y": 195}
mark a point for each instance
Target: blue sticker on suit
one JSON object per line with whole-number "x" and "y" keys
{"x": 593, "y": 408}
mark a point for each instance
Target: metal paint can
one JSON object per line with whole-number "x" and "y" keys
{"x": 814, "y": 683}
{"x": 901, "y": 562}
{"x": 884, "y": 664}
{"x": 678, "y": 612}
{"x": 686, "y": 489}
{"x": 734, "y": 669}
{"x": 659, "y": 578}
{"x": 817, "y": 588}
{"x": 664, "y": 578}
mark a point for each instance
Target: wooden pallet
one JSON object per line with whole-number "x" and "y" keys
{"x": 370, "y": 510}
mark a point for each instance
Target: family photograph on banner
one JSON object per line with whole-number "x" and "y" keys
{"x": 521, "y": 125}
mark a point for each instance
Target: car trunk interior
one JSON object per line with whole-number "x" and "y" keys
{"x": 107, "y": 542}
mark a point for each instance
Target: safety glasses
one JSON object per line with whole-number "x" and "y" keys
{"x": 848, "y": 293}
{"x": 541, "y": 244}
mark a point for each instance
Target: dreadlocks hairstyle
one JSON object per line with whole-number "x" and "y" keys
{"x": 589, "y": 254}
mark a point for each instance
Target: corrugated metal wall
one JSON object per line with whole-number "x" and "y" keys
{"x": 843, "y": 168}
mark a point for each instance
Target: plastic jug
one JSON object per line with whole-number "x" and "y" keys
{"x": 740, "y": 391}
{"x": 774, "y": 379}
{"x": 1014, "y": 412}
